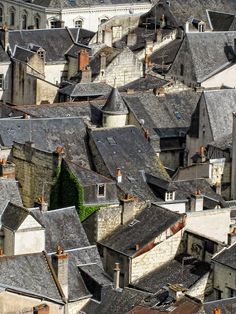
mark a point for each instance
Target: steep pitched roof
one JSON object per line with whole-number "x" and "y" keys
{"x": 220, "y": 21}
{"x": 47, "y": 134}
{"x": 55, "y": 41}
{"x": 86, "y": 89}
{"x": 115, "y": 103}
{"x": 23, "y": 54}
{"x": 127, "y": 148}
{"x": 148, "y": 225}
{"x": 227, "y": 256}
{"x": 62, "y": 227}
{"x": 30, "y": 272}
{"x": 9, "y": 192}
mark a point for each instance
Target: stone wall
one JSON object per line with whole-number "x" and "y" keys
{"x": 224, "y": 278}
{"x": 36, "y": 171}
{"x": 159, "y": 255}
{"x": 201, "y": 287}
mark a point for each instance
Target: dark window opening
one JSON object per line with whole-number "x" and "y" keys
{"x": 101, "y": 190}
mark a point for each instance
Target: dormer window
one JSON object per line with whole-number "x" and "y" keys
{"x": 169, "y": 196}
{"x": 79, "y": 23}
{"x": 101, "y": 190}
{"x": 41, "y": 54}
{"x": 201, "y": 27}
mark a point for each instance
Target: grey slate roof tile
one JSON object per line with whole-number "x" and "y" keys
{"x": 86, "y": 89}
{"x": 220, "y": 21}
{"x": 173, "y": 272}
{"x": 47, "y": 134}
{"x": 151, "y": 222}
{"x": 227, "y": 256}
{"x": 29, "y": 272}
{"x": 9, "y": 192}
{"x": 62, "y": 227}
{"x": 144, "y": 83}
{"x": 23, "y": 54}
{"x": 13, "y": 216}
{"x": 115, "y": 103}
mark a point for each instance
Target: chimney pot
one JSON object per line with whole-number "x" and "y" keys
{"x": 83, "y": 60}
{"x": 60, "y": 265}
{"x": 217, "y": 310}
{"x": 43, "y": 205}
{"x": 137, "y": 247}
{"x": 118, "y": 175}
{"x": 60, "y": 150}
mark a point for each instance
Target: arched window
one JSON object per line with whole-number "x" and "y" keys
{"x": 1, "y": 13}
{"x": 24, "y": 20}
{"x": 12, "y": 13}
{"x": 79, "y": 23}
{"x": 37, "y": 20}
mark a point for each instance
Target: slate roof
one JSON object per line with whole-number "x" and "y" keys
{"x": 150, "y": 223}
{"x": 226, "y": 306}
{"x": 30, "y": 272}
{"x": 86, "y": 89}
{"x": 126, "y": 148}
{"x": 220, "y": 21}
{"x": 167, "y": 53}
{"x": 86, "y": 176}
{"x": 220, "y": 104}
{"x": 222, "y": 143}
{"x": 117, "y": 302}
{"x": 145, "y": 83}
{"x": 62, "y": 227}
{"x": 211, "y": 52}
{"x": 168, "y": 115}
{"x": 47, "y": 134}
{"x": 83, "y": 109}
{"x": 173, "y": 273}
{"x": 115, "y": 103}
{"x": 96, "y": 273}
{"x": 55, "y": 41}
{"x": 23, "y": 54}
{"x": 4, "y": 57}
{"x": 69, "y": 4}
{"x": 227, "y": 256}
{"x": 9, "y": 192}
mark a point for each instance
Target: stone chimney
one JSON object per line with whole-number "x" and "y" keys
{"x": 118, "y": 175}
{"x": 202, "y": 154}
{"x": 233, "y": 167}
{"x": 128, "y": 206}
{"x": 41, "y": 309}
{"x": 83, "y": 60}
{"x": 7, "y": 169}
{"x": 186, "y": 27}
{"x": 117, "y": 276}
{"x": 5, "y": 37}
{"x": 232, "y": 234}
{"x": 43, "y": 206}
{"x": 197, "y": 201}
{"x": 60, "y": 265}
{"x": 86, "y": 75}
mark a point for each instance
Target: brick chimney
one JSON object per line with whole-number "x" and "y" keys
{"x": 117, "y": 276}
{"x": 217, "y": 310}
{"x": 232, "y": 234}
{"x": 43, "y": 206}
{"x": 41, "y": 309}
{"x": 60, "y": 265}
{"x": 197, "y": 201}
{"x": 128, "y": 205}
{"x": 118, "y": 175}
{"x": 83, "y": 60}
{"x": 233, "y": 167}
{"x": 7, "y": 169}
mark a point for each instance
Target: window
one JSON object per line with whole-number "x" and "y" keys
{"x": 37, "y": 21}
{"x": 24, "y": 20}
{"x": 1, "y": 14}
{"x": 55, "y": 24}
{"x": 181, "y": 69}
{"x": 169, "y": 196}
{"x": 78, "y": 24}
{"x": 1, "y": 81}
{"x": 218, "y": 294}
{"x": 101, "y": 190}
{"x": 231, "y": 293}
{"x": 41, "y": 54}
{"x": 12, "y": 16}
{"x": 103, "y": 20}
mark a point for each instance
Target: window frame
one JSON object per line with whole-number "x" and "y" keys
{"x": 103, "y": 186}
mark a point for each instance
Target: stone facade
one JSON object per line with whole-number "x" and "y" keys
{"x": 35, "y": 171}
{"x": 224, "y": 281}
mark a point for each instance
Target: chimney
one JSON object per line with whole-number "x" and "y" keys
{"x": 131, "y": 39}
{"x": 217, "y": 310}
{"x": 43, "y": 206}
{"x": 218, "y": 188}
{"x": 127, "y": 204}
{"x": 102, "y": 66}
{"x": 186, "y": 27}
{"x": 41, "y": 309}
{"x": 5, "y": 37}
{"x": 233, "y": 167}
{"x": 117, "y": 276}
{"x": 176, "y": 291}
{"x": 86, "y": 75}
{"x": 83, "y": 60}
{"x": 7, "y": 169}
{"x": 197, "y": 201}
{"x": 60, "y": 265}
{"x": 202, "y": 154}
{"x": 107, "y": 37}
{"x": 118, "y": 175}
{"x": 160, "y": 92}
{"x": 60, "y": 150}
{"x": 232, "y": 234}
{"x": 1, "y": 252}
{"x": 26, "y": 116}
{"x": 137, "y": 247}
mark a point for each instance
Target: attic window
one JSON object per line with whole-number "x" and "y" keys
{"x": 41, "y": 54}
{"x": 79, "y": 23}
{"x": 100, "y": 190}
{"x": 169, "y": 196}
{"x": 111, "y": 140}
